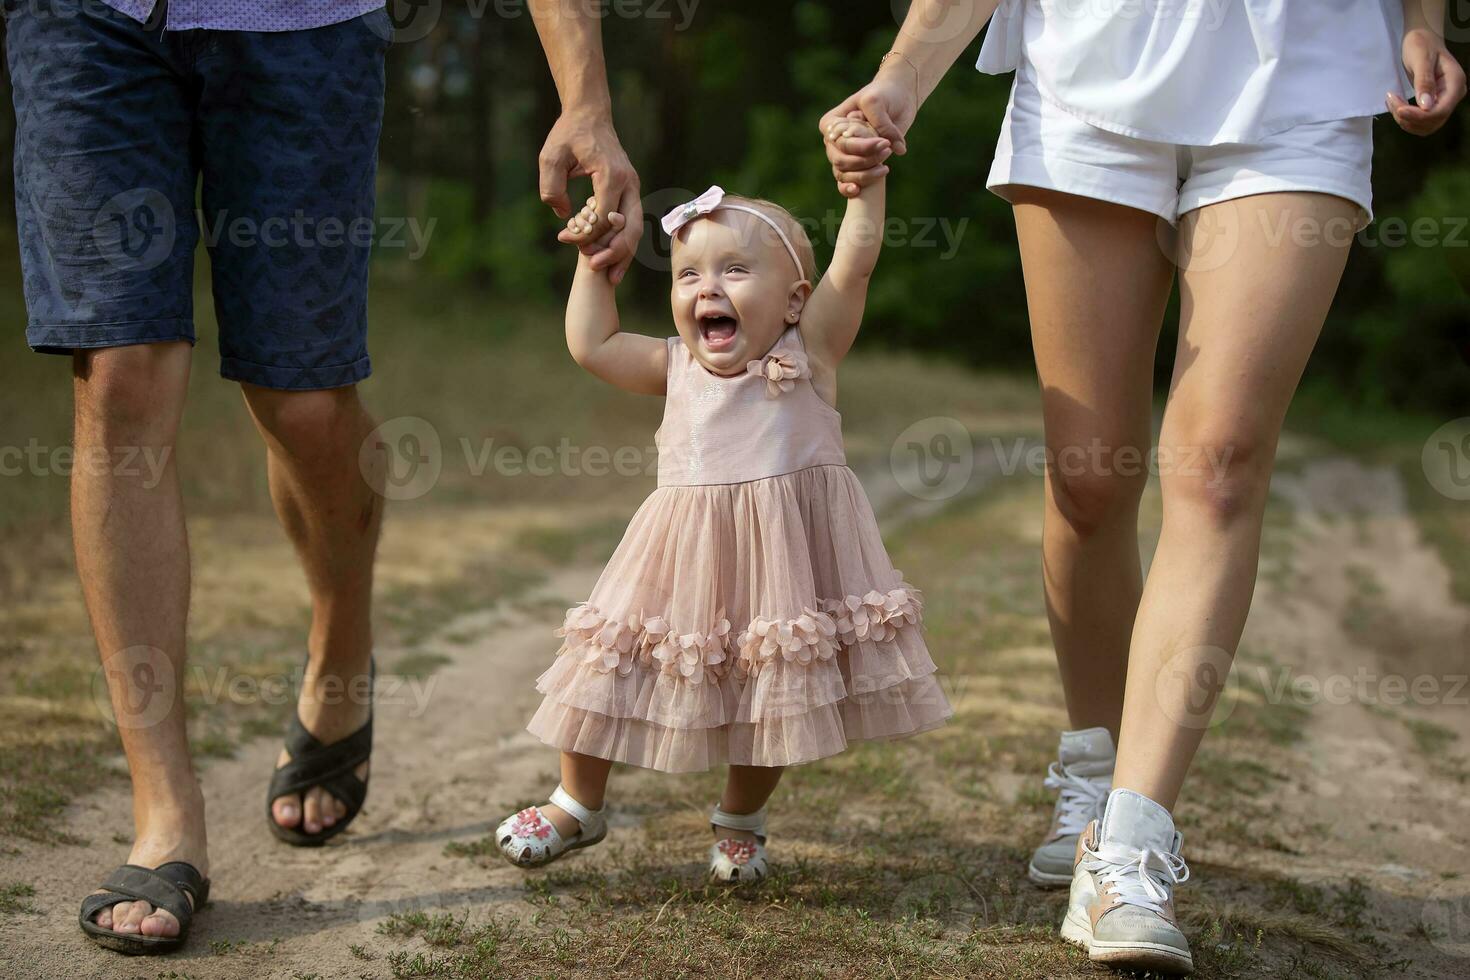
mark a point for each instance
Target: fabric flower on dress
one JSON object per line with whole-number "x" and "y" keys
{"x": 781, "y": 369}
{"x": 803, "y": 640}
{"x": 691, "y": 655}
{"x": 603, "y": 643}
{"x": 876, "y": 616}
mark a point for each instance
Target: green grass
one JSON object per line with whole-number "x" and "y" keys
{"x": 15, "y": 899}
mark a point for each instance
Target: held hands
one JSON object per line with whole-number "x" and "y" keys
{"x": 888, "y": 105}
{"x": 585, "y": 224}
{"x": 853, "y": 134}
{"x": 1438, "y": 79}
{"x": 581, "y": 145}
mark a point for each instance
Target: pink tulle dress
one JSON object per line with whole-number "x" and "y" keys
{"x": 750, "y": 614}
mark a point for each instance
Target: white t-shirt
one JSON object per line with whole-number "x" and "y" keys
{"x": 1202, "y": 72}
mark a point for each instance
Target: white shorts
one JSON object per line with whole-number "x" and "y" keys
{"x": 1043, "y": 145}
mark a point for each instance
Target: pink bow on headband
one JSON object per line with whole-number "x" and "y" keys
{"x": 714, "y": 200}
{"x": 697, "y": 208}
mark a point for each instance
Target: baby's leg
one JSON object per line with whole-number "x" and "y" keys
{"x": 747, "y": 788}
{"x": 585, "y": 778}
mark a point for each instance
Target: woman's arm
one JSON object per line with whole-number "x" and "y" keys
{"x": 627, "y": 360}
{"x": 931, "y": 38}
{"x": 1439, "y": 81}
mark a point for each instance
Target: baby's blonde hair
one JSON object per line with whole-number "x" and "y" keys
{"x": 790, "y": 225}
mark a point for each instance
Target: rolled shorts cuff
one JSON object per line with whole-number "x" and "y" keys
{"x": 1344, "y": 182}
{"x": 315, "y": 378}
{"x": 1070, "y": 177}
{"x": 64, "y": 338}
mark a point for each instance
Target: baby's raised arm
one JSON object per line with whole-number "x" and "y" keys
{"x": 629, "y": 360}
{"x": 830, "y": 321}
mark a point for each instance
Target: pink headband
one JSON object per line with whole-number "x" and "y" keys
{"x": 714, "y": 200}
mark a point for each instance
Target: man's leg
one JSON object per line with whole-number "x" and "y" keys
{"x": 133, "y": 558}
{"x": 332, "y": 515}
{"x": 105, "y": 209}
{"x": 290, "y": 125}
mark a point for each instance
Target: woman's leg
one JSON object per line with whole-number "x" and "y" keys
{"x": 1097, "y": 283}
{"x": 1249, "y": 319}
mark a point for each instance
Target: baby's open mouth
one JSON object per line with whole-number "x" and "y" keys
{"x": 718, "y": 331}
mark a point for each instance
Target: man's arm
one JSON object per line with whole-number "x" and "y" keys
{"x": 583, "y": 141}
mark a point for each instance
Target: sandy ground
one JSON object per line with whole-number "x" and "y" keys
{"x": 1377, "y": 807}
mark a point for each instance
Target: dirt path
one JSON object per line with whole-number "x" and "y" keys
{"x": 1364, "y": 623}
{"x": 1368, "y": 803}
{"x": 444, "y": 774}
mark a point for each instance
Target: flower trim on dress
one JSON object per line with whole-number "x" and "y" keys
{"x": 781, "y": 370}
{"x": 608, "y": 645}
{"x": 876, "y": 616}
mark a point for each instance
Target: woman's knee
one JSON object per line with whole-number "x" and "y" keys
{"x": 1223, "y": 476}
{"x": 1093, "y": 492}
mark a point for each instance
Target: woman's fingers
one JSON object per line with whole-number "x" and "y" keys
{"x": 861, "y": 178}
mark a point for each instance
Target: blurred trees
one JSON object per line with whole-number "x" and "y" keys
{"x": 713, "y": 91}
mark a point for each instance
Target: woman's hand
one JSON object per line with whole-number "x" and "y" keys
{"x": 888, "y": 104}
{"x": 1438, "y": 79}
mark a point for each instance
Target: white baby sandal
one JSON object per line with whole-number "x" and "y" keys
{"x": 733, "y": 860}
{"x": 529, "y": 839}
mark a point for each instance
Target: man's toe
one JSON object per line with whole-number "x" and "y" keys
{"x": 287, "y": 810}
{"x": 161, "y": 923}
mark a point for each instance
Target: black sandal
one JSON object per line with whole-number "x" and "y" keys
{"x": 168, "y": 887}
{"x": 331, "y": 767}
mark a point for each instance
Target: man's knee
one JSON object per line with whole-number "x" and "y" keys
{"x": 310, "y": 424}
{"x": 135, "y": 392}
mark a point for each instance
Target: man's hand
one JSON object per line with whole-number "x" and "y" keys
{"x": 582, "y": 145}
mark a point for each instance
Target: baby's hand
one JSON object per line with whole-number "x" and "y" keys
{"x": 854, "y": 126}
{"x": 585, "y": 220}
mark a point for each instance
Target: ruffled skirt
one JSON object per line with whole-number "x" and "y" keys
{"x": 758, "y": 624}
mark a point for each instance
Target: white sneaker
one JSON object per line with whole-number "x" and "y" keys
{"x": 1121, "y": 908}
{"x": 1082, "y": 775}
{"x": 529, "y": 839}
{"x": 733, "y": 860}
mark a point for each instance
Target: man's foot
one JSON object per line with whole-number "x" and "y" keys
{"x": 1121, "y": 908}
{"x": 1082, "y": 775}
{"x": 332, "y": 707}
{"x": 178, "y": 838}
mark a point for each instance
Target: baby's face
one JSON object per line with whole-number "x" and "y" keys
{"x": 734, "y": 288}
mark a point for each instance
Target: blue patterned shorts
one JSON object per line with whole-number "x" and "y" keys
{"x": 116, "y": 123}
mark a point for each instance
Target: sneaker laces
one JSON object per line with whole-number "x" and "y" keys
{"x": 1139, "y": 876}
{"x": 1079, "y": 801}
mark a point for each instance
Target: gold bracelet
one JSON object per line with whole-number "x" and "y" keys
{"x": 884, "y": 60}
